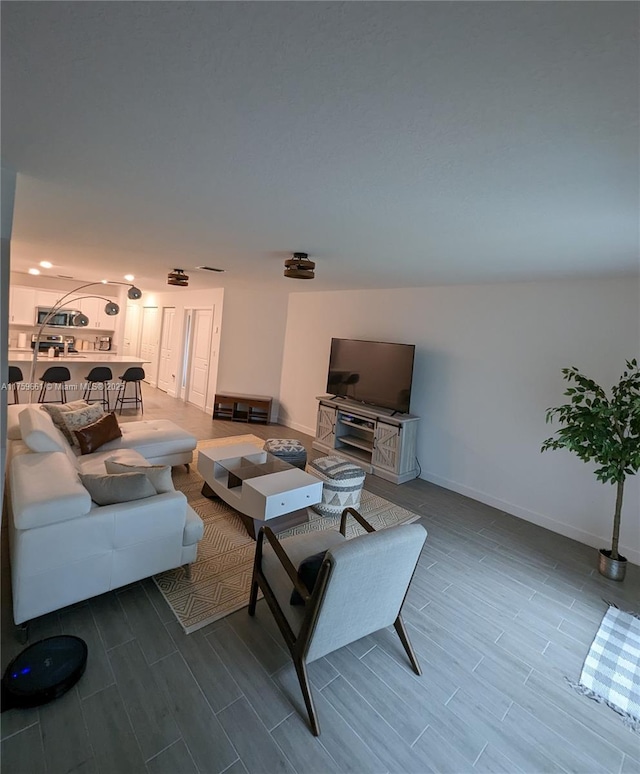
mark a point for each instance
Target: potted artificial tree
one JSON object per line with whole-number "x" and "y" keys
{"x": 605, "y": 430}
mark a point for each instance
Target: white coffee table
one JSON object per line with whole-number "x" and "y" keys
{"x": 261, "y": 487}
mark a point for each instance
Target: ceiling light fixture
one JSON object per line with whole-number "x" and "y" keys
{"x": 129, "y": 277}
{"x": 46, "y": 264}
{"x": 34, "y": 271}
{"x": 178, "y": 277}
{"x": 299, "y": 267}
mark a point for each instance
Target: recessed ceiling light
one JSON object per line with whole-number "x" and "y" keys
{"x": 129, "y": 277}
{"x": 46, "y": 264}
{"x": 34, "y": 271}
{"x": 104, "y": 282}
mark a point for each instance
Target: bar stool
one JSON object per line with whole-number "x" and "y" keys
{"x": 135, "y": 375}
{"x": 15, "y": 375}
{"x": 54, "y": 375}
{"x": 99, "y": 376}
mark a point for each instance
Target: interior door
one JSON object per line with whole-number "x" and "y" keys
{"x": 149, "y": 344}
{"x": 202, "y": 321}
{"x": 166, "y": 369}
{"x": 131, "y": 340}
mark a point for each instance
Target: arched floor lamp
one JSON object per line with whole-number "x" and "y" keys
{"x": 80, "y": 320}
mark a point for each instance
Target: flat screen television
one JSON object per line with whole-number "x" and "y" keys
{"x": 372, "y": 372}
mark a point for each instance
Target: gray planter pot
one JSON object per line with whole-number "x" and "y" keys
{"x": 614, "y": 569}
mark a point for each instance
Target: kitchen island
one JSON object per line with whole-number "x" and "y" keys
{"x": 79, "y": 366}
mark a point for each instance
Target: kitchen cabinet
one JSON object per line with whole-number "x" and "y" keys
{"x": 22, "y": 305}
{"x": 48, "y": 298}
{"x": 94, "y": 310}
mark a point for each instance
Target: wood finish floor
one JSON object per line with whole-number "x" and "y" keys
{"x": 499, "y": 612}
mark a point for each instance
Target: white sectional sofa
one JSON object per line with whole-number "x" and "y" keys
{"x": 65, "y": 548}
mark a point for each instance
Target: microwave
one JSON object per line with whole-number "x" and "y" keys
{"x": 63, "y": 318}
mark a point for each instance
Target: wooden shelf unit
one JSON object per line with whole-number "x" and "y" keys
{"x": 378, "y": 441}
{"x": 242, "y": 408}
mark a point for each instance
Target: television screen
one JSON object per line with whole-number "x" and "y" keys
{"x": 371, "y": 372}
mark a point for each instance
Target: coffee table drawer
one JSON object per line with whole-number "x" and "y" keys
{"x": 275, "y": 494}
{"x": 287, "y": 502}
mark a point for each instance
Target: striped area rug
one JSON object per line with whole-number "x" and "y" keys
{"x": 221, "y": 576}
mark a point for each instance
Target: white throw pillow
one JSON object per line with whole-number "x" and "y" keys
{"x": 39, "y": 433}
{"x": 119, "y": 488}
{"x": 82, "y": 417}
{"x": 56, "y": 412}
{"x": 13, "y": 423}
{"x": 159, "y": 475}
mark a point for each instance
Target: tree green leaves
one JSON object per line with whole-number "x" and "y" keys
{"x": 599, "y": 428}
{"x": 602, "y": 429}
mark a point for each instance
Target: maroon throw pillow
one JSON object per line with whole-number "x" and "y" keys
{"x": 93, "y": 436}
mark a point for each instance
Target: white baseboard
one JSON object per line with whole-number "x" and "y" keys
{"x": 588, "y": 538}
{"x": 296, "y": 426}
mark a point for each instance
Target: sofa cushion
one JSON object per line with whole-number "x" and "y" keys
{"x": 159, "y": 475}
{"x": 96, "y": 461}
{"x": 153, "y": 438}
{"x": 98, "y": 433}
{"x": 82, "y": 417}
{"x": 13, "y": 425}
{"x": 45, "y": 489}
{"x": 117, "y": 488}
{"x": 39, "y": 432}
{"x": 57, "y": 411}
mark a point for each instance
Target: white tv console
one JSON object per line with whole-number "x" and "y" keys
{"x": 369, "y": 436}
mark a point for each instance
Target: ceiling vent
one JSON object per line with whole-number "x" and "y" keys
{"x": 210, "y": 268}
{"x": 299, "y": 267}
{"x": 178, "y": 277}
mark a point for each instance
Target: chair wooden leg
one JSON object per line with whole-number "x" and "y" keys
{"x": 187, "y": 466}
{"x": 187, "y": 571}
{"x": 404, "y": 639}
{"x": 301, "y": 671}
{"x": 253, "y": 596}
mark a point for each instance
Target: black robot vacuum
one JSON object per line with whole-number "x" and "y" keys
{"x": 43, "y": 671}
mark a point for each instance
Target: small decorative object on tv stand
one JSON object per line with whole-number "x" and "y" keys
{"x": 378, "y": 442}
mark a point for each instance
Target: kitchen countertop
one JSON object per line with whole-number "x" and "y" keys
{"x": 17, "y": 356}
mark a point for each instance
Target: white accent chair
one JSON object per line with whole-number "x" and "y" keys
{"x": 360, "y": 588}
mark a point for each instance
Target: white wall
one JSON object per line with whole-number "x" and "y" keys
{"x": 488, "y": 362}
{"x": 182, "y": 299}
{"x": 252, "y": 345}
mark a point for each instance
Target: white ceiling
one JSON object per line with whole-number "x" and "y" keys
{"x": 400, "y": 144}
